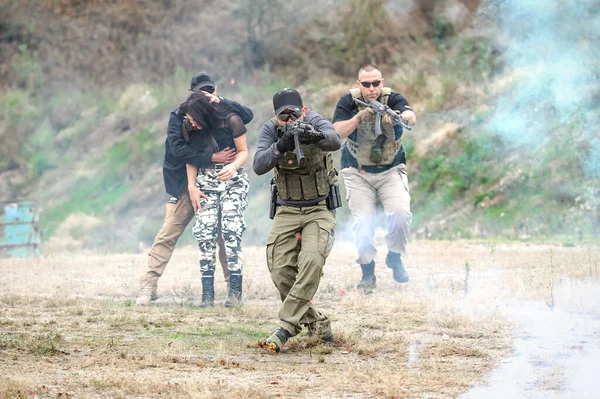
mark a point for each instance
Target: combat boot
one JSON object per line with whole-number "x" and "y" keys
{"x": 147, "y": 295}
{"x": 368, "y": 281}
{"x": 394, "y": 262}
{"x": 235, "y": 291}
{"x": 324, "y": 333}
{"x": 277, "y": 339}
{"x": 208, "y": 291}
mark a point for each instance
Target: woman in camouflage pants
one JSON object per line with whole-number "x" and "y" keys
{"x": 223, "y": 191}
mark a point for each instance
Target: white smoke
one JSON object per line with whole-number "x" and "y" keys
{"x": 554, "y": 45}
{"x": 556, "y": 350}
{"x": 552, "y": 54}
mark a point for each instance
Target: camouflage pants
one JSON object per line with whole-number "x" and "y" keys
{"x": 230, "y": 199}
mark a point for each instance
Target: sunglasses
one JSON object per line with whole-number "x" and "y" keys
{"x": 374, "y": 83}
{"x": 285, "y": 116}
{"x": 208, "y": 89}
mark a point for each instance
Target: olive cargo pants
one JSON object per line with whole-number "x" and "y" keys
{"x": 178, "y": 216}
{"x": 298, "y": 245}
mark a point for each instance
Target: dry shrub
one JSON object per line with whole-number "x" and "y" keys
{"x": 113, "y": 43}
{"x": 18, "y": 388}
{"x": 75, "y": 233}
{"x": 449, "y": 348}
{"x": 137, "y": 99}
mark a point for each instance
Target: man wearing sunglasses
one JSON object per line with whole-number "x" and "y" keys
{"x": 373, "y": 169}
{"x": 301, "y": 235}
{"x": 179, "y": 210}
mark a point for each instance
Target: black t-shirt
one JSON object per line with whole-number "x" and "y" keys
{"x": 216, "y": 139}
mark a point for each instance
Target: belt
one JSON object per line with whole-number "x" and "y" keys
{"x": 302, "y": 204}
{"x": 215, "y": 166}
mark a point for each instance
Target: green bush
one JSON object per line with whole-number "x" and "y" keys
{"x": 442, "y": 29}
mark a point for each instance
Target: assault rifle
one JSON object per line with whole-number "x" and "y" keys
{"x": 299, "y": 153}
{"x": 304, "y": 133}
{"x": 380, "y": 111}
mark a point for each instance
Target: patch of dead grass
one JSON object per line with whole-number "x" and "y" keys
{"x": 431, "y": 338}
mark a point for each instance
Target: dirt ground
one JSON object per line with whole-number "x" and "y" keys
{"x": 477, "y": 319}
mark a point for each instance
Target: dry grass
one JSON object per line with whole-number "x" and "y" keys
{"x": 69, "y": 326}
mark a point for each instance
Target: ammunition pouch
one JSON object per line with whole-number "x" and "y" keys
{"x": 377, "y": 149}
{"x": 334, "y": 199}
{"x": 376, "y": 155}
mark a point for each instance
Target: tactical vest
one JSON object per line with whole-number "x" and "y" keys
{"x": 365, "y": 136}
{"x": 306, "y": 182}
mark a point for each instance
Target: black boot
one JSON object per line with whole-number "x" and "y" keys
{"x": 394, "y": 262}
{"x": 368, "y": 281}
{"x": 235, "y": 291}
{"x": 208, "y": 291}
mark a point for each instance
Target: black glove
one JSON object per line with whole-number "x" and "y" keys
{"x": 311, "y": 136}
{"x": 286, "y": 141}
{"x": 308, "y": 133}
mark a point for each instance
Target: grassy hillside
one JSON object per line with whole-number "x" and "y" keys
{"x": 86, "y": 96}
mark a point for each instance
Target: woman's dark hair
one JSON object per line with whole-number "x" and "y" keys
{"x": 205, "y": 113}
{"x": 208, "y": 115}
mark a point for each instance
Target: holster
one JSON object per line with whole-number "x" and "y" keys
{"x": 273, "y": 203}
{"x": 334, "y": 200}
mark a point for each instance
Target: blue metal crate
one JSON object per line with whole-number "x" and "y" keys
{"x": 19, "y": 232}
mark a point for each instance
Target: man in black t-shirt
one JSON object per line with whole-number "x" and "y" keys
{"x": 373, "y": 168}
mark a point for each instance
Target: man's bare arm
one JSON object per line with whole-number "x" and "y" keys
{"x": 345, "y": 128}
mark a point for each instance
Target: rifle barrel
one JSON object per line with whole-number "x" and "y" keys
{"x": 360, "y": 102}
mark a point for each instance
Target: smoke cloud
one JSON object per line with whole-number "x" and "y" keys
{"x": 553, "y": 55}
{"x": 555, "y": 349}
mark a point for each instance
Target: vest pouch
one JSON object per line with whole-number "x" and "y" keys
{"x": 290, "y": 160}
{"x": 332, "y": 177}
{"x": 322, "y": 181}
{"x": 309, "y": 186}
{"x": 293, "y": 187}
{"x": 309, "y": 181}
{"x": 376, "y": 155}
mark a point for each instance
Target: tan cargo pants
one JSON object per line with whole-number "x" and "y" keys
{"x": 178, "y": 216}
{"x": 297, "y": 247}
{"x": 362, "y": 191}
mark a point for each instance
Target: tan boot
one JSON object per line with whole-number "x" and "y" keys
{"x": 147, "y": 295}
